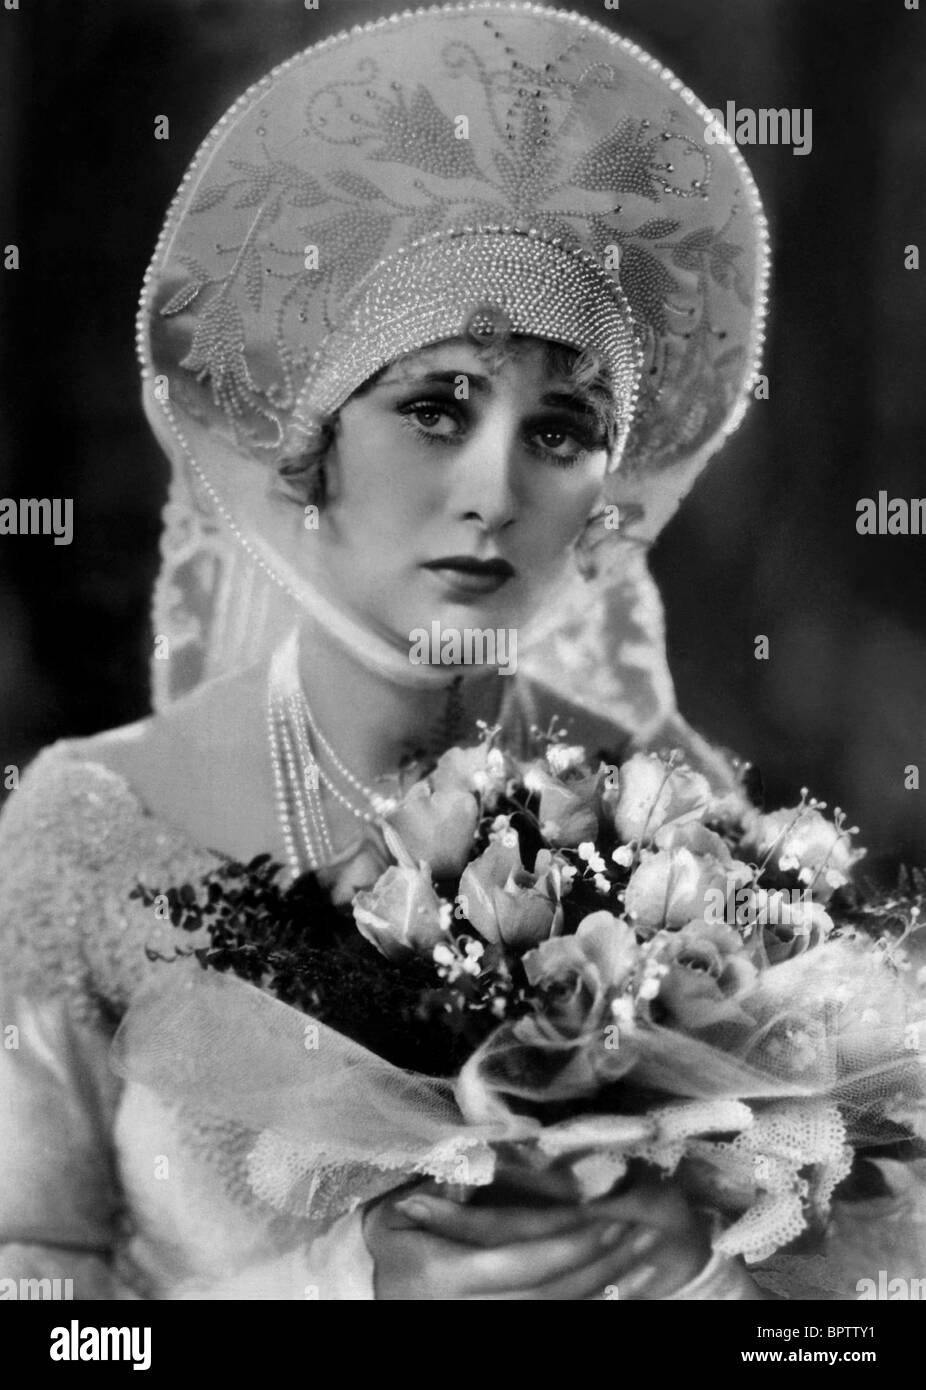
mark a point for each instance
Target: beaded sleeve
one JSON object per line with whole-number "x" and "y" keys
{"x": 72, "y": 841}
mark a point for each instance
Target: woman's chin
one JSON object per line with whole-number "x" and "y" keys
{"x": 472, "y": 616}
{"x": 502, "y": 607}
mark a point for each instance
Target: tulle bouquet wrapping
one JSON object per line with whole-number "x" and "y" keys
{"x": 574, "y": 968}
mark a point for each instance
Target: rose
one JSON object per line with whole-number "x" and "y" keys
{"x": 787, "y": 928}
{"x": 667, "y": 889}
{"x": 561, "y": 1049}
{"x": 800, "y": 839}
{"x": 674, "y": 885}
{"x": 506, "y": 903}
{"x": 652, "y": 793}
{"x": 580, "y": 974}
{"x": 696, "y": 837}
{"x": 708, "y": 974}
{"x": 677, "y": 882}
{"x": 481, "y": 770}
{"x": 437, "y": 826}
{"x": 567, "y": 811}
{"x": 361, "y": 871}
{"x": 402, "y": 914}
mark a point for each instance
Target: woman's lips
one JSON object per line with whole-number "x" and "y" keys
{"x": 468, "y": 575}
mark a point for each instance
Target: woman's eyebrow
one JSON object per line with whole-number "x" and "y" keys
{"x": 568, "y": 400}
{"x": 438, "y": 378}
{"x": 579, "y": 403}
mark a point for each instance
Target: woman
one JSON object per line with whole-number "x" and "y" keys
{"x": 442, "y": 352}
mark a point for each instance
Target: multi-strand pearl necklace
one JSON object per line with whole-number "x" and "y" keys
{"x": 297, "y": 776}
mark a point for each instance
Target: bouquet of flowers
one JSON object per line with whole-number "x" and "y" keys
{"x": 578, "y": 969}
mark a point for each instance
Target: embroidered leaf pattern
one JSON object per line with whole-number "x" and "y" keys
{"x": 302, "y": 189}
{"x": 420, "y": 135}
{"x": 620, "y": 163}
{"x": 217, "y": 354}
{"x": 208, "y": 198}
{"x": 657, "y": 227}
{"x": 648, "y": 285}
{"x": 260, "y": 181}
{"x": 524, "y": 183}
{"x": 307, "y": 194}
{"x": 350, "y": 243}
{"x": 705, "y": 249}
{"x": 181, "y": 300}
{"x": 356, "y": 185}
{"x": 251, "y": 196}
{"x": 253, "y": 277}
{"x": 185, "y": 296}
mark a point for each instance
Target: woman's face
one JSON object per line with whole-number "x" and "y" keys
{"x": 455, "y": 491}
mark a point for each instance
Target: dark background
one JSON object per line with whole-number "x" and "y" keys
{"x": 765, "y": 544}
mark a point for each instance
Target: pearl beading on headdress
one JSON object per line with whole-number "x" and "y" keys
{"x": 425, "y": 292}
{"x": 489, "y": 7}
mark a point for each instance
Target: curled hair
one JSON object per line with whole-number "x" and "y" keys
{"x": 301, "y": 469}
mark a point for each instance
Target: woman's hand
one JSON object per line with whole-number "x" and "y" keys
{"x": 679, "y": 1241}
{"x": 424, "y": 1246}
{"x": 645, "y": 1244}
{"x": 678, "y": 1246}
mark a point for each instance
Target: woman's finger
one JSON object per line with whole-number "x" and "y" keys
{"x": 593, "y": 1281}
{"x": 491, "y": 1227}
{"x": 553, "y": 1184}
{"x": 660, "y": 1205}
{"x": 531, "y": 1264}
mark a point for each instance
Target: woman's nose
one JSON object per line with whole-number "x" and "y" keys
{"x": 486, "y": 476}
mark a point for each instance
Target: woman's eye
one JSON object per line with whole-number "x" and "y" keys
{"x": 565, "y": 446}
{"x": 559, "y": 442}
{"x": 430, "y": 420}
{"x": 436, "y": 422}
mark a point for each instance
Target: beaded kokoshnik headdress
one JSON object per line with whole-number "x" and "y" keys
{"x": 461, "y": 168}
